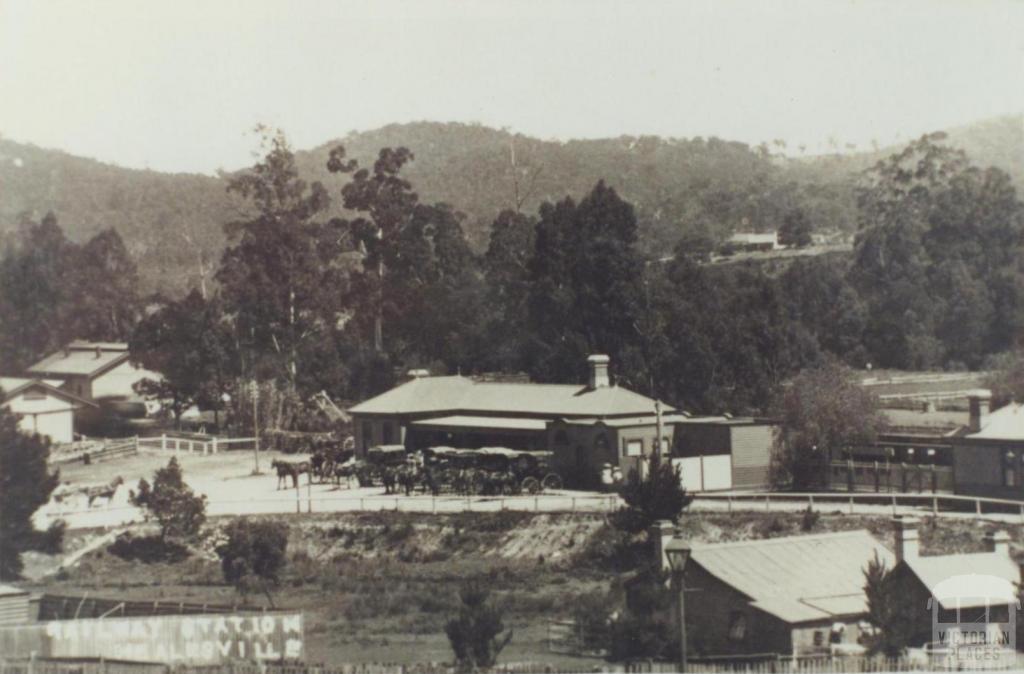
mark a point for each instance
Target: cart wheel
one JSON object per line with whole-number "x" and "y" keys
{"x": 531, "y": 485}
{"x": 552, "y": 481}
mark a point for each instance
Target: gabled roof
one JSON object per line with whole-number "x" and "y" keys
{"x": 83, "y": 358}
{"x": 1006, "y": 423}
{"x": 456, "y": 394}
{"x": 947, "y": 576}
{"x": 13, "y": 386}
{"x": 797, "y": 578}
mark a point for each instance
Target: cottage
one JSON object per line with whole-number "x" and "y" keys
{"x": 798, "y": 595}
{"x": 943, "y": 590}
{"x": 42, "y": 406}
{"x": 585, "y": 425}
{"x": 93, "y": 370}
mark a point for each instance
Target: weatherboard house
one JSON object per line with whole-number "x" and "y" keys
{"x": 793, "y": 595}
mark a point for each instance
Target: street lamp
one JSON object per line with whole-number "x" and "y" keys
{"x": 678, "y": 553}
{"x": 225, "y": 399}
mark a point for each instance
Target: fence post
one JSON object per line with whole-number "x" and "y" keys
{"x": 433, "y": 504}
{"x": 309, "y": 492}
{"x": 935, "y": 506}
{"x": 851, "y": 505}
{"x": 810, "y": 501}
{"x": 163, "y": 441}
{"x": 136, "y": 444}
{"x": 536, "y": 504}
{"x": 977, "y": 506}
{"x": 298, "y": 497}
{"x": 215, "y": 444}
{"x": 767, "y": 502}
{"x": 574, "y": 504}
{"x": 730, "y": 502}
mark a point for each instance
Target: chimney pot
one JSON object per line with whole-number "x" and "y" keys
{"x": 907, "y": 542}
{"x": 661, "y": 533}
{"x": 99, "y": 352}
{"x": 978, "y": 402}
{"x": 998, "y": 542}
{"x": 598, "y": 370}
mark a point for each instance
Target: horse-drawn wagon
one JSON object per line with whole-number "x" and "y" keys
{"x": 490, "y": 471}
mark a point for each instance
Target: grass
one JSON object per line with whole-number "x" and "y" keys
{"x": 378, "y": 587}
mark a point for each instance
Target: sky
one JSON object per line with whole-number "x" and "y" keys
{"x": 178, "y": 85}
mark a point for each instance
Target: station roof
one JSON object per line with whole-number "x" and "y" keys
{"x": 461, "y": 396}
{"x": 466, "y": 421}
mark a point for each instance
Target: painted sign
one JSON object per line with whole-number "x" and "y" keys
{"x": 188, "y": 639}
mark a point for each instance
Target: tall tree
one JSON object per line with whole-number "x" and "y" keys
{"x": 586, "y": 286}
{"x": 25, "y": 484}
{"x": 822, "y": 412}
{"x": 104, "y": 289}
{"x": 190, "y": 344}
{"x": 278, "y": 277}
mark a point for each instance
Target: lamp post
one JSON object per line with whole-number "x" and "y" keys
{"x": 678, "y": 553}
{"x": 225, "y": 399}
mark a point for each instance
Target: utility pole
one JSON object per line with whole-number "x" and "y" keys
{"x": 658, "y": 443}
{"x": 255, "y": 428}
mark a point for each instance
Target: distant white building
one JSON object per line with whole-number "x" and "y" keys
{"x": 93, "y": 370}
{"x": 44, "y": 408}
{"x": 753, "y": 241}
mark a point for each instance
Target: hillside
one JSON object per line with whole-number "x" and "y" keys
{"x": 170, "y": 220}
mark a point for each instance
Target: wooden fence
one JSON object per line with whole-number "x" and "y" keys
{"x": 63, "y": 607}
{"x": 195, "y": 443}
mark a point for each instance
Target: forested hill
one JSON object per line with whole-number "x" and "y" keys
{"x": 171, "y": 222}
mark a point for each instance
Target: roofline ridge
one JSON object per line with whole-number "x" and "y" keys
{"x": 779, "y": 539}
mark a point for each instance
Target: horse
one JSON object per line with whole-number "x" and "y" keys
{"x": 285, "y": 470}
{"x": 389, "y": 479}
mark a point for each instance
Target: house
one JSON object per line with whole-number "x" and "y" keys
{"x": 93, "y": 370}
{"x": 585, "y": 425}
{"x": 794, "y": 595}
{"x": 15, "y": 606}
{"x": 987, "y": 459}
{"x": 724, "y": 452}
{"x": 754, "y": 242}
{"x": 943, "y": 590}
{"x": 43, "y": 406}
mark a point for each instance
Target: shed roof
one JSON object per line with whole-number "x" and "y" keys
{"x": 457, "y": 394}
{"x": 83, "y": 358}
{"x": 797, "y": 578}
{"x": 1006, "y": 423}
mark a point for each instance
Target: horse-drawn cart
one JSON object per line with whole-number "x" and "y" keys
{"x": 490, "y": 471}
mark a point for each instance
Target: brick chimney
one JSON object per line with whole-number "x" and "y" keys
{"x": 998, "y": 542}
{"x": 978, "y": 402}
{"x": 598, "y": 371}
{"x": 907, "y": 543}
{"x": 661, "y": 532}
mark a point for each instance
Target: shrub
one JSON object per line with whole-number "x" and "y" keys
{"x": 659, "y": 496}
{"x": 172, "y": 502}
{"x": 475, "y": 634}
{"x": 147, "y": 549}
{"x": 253, "y": 555}
{"x": 809, "y": 519}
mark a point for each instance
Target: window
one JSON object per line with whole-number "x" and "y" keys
{"x": 1010, "y": 470}
{"x": 633, "y": 448}
{"x": 819, "y": 638}
{"x": 737, "y": 626}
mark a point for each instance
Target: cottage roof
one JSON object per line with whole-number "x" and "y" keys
{"x": 457, "y": 394}
{"x": 466, "y": 421}
{"x": 83, "y": 358}
{"x": 967, "y": 579}
{"x": 1006, "y": 423}
{"x": 797, "y": 578}
{"x": 13, "y": 386}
